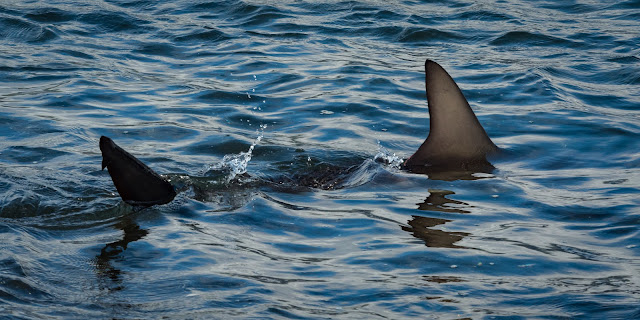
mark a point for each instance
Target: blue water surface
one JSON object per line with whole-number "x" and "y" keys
{"x": 318, "y": 227}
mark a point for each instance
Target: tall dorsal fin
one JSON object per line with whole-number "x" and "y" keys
{"x": 456, "y": 138}
{"x": 136, "y": 183}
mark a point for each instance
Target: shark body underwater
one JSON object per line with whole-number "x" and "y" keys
{"x": 456, "y": 142}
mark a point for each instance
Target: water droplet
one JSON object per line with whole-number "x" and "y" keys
{"x": 387, "y": 157}
{"x": 236, "y": 164}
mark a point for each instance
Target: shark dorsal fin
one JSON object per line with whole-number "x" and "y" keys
{"x": 456, "y": 138}
{"x": 136, "y": 183}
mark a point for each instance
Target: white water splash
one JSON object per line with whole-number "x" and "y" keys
{"x": 236, "y": 164}
{"x": 388, "y": 158}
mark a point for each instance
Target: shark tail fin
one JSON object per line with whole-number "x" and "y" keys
{"x": 136, "y": 183}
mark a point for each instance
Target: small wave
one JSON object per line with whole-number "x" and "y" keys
{"x": 524, "y": 39}
{"x": 50, "y": 15}
{"x": 422, "y": 35}
{"x": 108, "y": 21}
{"x": 19, "y": 30}
{"x": 210, "y": 34}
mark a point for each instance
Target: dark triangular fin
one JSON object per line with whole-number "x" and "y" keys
{"x": 456, "y": 138}
{"x": 136, "y": 183}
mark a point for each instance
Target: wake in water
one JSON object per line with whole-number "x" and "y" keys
{"x": 314, "y": 174}
{"x": 303, "y": 173}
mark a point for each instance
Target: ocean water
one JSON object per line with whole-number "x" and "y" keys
{"x": 282, "y": 124}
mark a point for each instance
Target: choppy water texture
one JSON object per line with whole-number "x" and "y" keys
{"x": 316, "y": 228}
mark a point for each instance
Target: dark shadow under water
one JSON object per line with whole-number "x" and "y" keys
{"x": 109, "y": 275}
{"x": 421, "y": 227}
